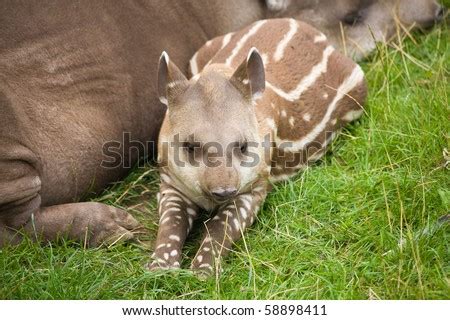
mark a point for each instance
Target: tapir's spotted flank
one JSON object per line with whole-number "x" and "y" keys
{"x": 311, "y": 91}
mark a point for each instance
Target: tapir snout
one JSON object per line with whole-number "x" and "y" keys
{"x": 221, "y": 183}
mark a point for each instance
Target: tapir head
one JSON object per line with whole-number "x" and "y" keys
{"x": 209, "y": 141}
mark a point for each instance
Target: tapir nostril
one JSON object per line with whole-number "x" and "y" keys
{"x": 224, "y": 193}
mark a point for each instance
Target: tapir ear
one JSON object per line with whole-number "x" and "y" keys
{"x": 249, "y": 77}
{"x": 171, "y": 81}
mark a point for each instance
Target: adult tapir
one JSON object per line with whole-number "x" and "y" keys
{"x": 76, "y": 74}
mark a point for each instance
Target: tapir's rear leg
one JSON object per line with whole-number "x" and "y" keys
{"x": 176, "y": 216}
{"x": 20, "y": 207}
{"x": 226, "y": 227}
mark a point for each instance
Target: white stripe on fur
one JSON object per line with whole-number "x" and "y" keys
{"x": 351, "y": 82}
{"x": 279, "y": 52}
{"x": 307, "y": 81}
{"x": 243, "y": 40}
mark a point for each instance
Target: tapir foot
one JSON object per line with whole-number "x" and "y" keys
{"x": 90, "y": 223}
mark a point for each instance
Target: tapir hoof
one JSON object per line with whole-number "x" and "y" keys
{"x": 117, "y": 226}
{"x": 202, "y": 271}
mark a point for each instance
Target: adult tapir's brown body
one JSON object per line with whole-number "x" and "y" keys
{"x": 76, "y": 74}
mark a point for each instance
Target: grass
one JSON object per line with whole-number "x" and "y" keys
{"x": 362, "y": 224}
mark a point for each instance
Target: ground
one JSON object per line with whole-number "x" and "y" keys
{"x": 361, "y": 224}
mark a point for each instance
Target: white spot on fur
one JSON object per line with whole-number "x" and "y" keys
{"x": 168, "y": 210}
{"x": 247, "y": 204}
{"x": 325, "y": 95}
{"x": 291, "y": 121}
{"x": 243, "y": 40}
{"x": 334, "y": 121}
{"x": 236, "y": 223}
{"x": 205, "y": 265}
{"x": 206, "y": 249}
{"x": 279, "y": 51}
{"x": 171, "y": 199}
{"x": 174, "y": 237}
{"x": 165, "y": 220}
{"x": 283, "y": 113}
{"x": 161, "y": 261}
{"x": 228, "y": 213}
{"x": 166, "y": 255}
{"x": 161, "y": 246}
{"x": 307, "y": 81}
{"x": 200, "y": 258}
{"x": 208, "y": 43}
{"x": 243, "y": 213}
{"x": 307, "y": 117}
{"x": 173, "y": 253}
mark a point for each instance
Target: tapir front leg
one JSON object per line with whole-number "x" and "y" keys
{"x": 226, "y": 227}
{"x": 176, "y": 216}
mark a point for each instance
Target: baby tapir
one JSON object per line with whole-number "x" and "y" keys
{"x": 251, "y": 116}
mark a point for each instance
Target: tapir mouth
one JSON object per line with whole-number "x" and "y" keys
{"x": 222, "y": 195}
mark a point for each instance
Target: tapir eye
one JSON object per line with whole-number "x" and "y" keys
{"x": 190, "y": 147}
{"x": 353, "y": 18}
{"x": 244, "y": 147}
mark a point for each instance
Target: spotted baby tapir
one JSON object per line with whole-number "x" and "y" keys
{"x": 262, "y": 103}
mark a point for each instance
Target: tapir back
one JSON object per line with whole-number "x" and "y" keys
{"x": 312, "y": 90}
